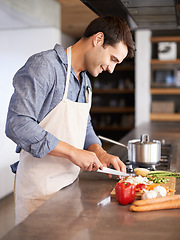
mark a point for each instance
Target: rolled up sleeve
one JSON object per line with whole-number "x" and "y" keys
{"x": 91, "y": 136}
{"x": 28, "y": 135}
{"x": 32, "y": 85}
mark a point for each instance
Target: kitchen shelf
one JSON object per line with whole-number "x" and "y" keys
{"x": 165, "y": 116}
{"x": 112, "y": 110}
{"x": 165, "y": 39}
{"x": 113, "y": 91}
{"x": 165, "y": 91}
{"x": 120, "y": 67}
{"x": 113, "y": 128}
{"x": 157, "y": 61}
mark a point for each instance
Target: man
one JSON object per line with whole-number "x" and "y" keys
{"x": 48, "y": 115}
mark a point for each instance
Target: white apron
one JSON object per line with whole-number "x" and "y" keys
{"x": 38, "y": 178}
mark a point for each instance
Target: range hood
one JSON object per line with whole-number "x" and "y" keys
{"x": 140, "y": 14}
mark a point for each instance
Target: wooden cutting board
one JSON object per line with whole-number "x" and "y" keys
{"x": 171, "y": 184}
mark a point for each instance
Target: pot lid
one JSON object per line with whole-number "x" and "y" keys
{"x": 144, "y": 139}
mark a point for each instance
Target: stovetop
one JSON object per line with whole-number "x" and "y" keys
{"x": 164, "y": 164}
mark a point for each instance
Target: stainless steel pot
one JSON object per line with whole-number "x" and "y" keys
{"x": 141, "y": 151}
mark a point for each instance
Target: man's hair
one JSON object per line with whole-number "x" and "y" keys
{"x": 114, "y": 29}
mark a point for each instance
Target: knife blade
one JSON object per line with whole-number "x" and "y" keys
{"x": 112, "y": 171}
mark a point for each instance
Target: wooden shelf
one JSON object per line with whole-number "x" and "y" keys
{"x": 165, "y": 116}
{"x": 157, "y": 61}
{"x": 161, "y": 91}
{"x": 113, "y": 128}
{"x": 165, "y": 91}
{"x": 165, "y": 39}
{"x": 113, "y": 91}
{"x": 112, "y": 110}
{"x": 124, "y": 68}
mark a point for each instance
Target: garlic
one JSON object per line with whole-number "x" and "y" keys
{"x": 161, "y": 191}
{"x": 149, "y": 194}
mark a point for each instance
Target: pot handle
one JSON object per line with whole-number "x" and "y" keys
{"x": 144, "y": 138}
{"x": 112, "y": 141}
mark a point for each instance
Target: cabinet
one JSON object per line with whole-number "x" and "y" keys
{"x": 165, "y": 83}
{"x": 112, "y": 109}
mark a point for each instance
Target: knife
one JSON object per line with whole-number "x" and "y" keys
{"x": 112, "y": 171}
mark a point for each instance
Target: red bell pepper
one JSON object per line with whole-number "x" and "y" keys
{"x": 125, "y": 192}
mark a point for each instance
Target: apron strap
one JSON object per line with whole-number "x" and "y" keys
{"x": 68, "y": 71}
{"x": 88, "y": 92}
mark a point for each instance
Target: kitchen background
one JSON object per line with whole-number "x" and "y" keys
{"x": 120, "y": 101}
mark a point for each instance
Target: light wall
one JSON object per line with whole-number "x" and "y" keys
{"x": 17, "y": 44}
{"x": 142, "y": 76}
{"x": 15, "y": 48}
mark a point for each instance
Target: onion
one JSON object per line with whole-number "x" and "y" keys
{"x": 149, "y": 195}
{"x": 161, "y": 191}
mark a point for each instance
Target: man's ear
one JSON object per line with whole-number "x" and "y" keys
{"x": 98, "y": 39}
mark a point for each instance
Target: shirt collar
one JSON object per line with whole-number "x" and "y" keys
{"x": 63, "y": 57}
{"x": 61, "y": 53}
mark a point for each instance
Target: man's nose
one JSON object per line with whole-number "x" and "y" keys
{"x": 111, "y": 68}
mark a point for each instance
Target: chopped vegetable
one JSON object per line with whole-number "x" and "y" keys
{"x": 125, "y": 192}
{"x": 140, "y": 186}
{"x": 138, "y": 179}
{"x": 157, "y": 179}
{"x": 152, "y": 186}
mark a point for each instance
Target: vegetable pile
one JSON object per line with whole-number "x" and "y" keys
{"x": 151, "y": 187}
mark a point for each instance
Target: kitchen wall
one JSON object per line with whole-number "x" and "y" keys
{"x": 23, "y": 33}
{"x": 20, "y": 37}
{"x": 142, "y": 76}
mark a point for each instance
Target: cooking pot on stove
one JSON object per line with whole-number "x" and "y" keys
{"x": 141, "y": 151}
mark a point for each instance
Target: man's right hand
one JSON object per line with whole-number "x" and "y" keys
{"x": 86, "y": 160}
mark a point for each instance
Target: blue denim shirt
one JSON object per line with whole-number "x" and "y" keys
{"x": 38, "y": 88}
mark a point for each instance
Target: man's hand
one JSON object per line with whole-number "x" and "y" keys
{"x": 86, "y": 160}
{"x": 106, "y": 159}
{"x": 89, "y": 160}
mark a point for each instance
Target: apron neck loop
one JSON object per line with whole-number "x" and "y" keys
{"x": 88, "y": 93}
{"x": 68, "y": 71}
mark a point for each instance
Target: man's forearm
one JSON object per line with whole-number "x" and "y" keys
{"x": 96, "y": 148}
{"x": 86, "y": 160}
{"x": 63, "y": 149}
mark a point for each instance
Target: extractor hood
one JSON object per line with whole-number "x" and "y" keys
{"x": 140, "y": 14}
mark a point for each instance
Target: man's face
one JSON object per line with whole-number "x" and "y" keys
{"x": 105, "y": 58}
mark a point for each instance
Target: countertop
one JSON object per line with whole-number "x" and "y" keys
{"x": 77, "y": 211}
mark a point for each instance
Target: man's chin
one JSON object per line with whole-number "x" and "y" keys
{"x": 94, "y": 74}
